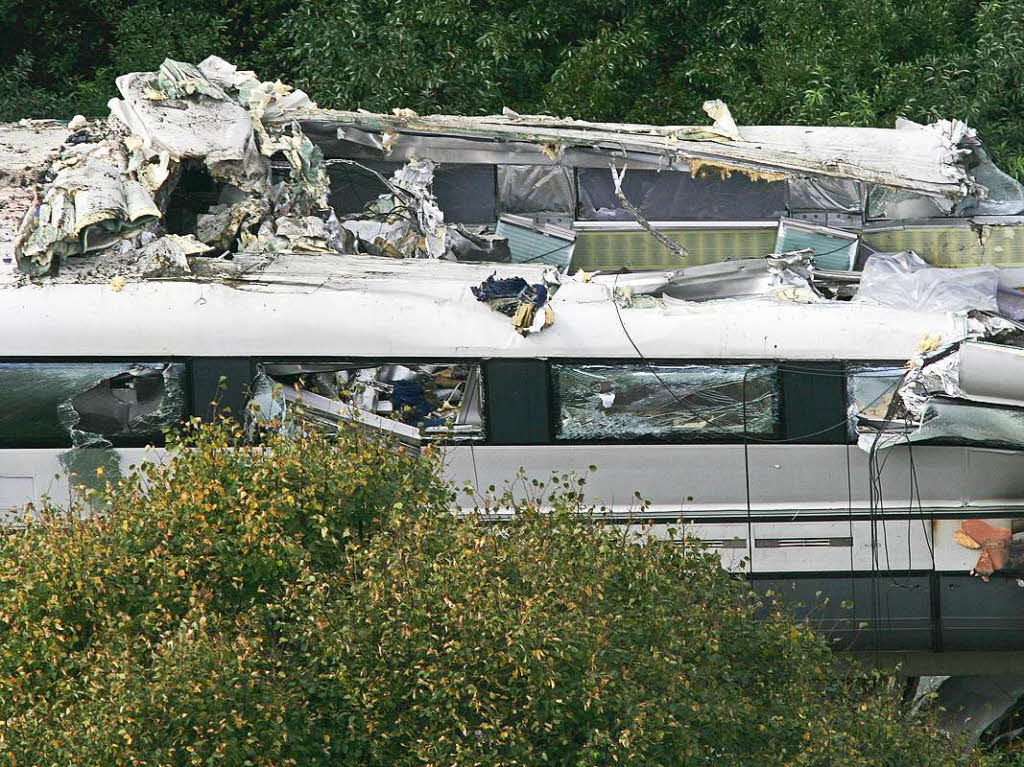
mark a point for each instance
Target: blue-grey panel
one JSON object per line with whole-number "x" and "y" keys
{"x": 981, "y": 616}
{"x": 529, "y": 246}
{"x": 829, "y": 252}
{"x": 888, "y": 612}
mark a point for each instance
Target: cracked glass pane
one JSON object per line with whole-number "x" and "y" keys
{"x": 61, "y": 404}
{"x": 666, "y": 401}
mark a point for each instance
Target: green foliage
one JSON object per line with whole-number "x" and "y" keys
{"x": 314, "y": 602}
{"x": 840, "y": 62}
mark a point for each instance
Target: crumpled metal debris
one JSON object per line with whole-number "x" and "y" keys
{"x": 407, "y": 222}
{"x": 88, "y": 205}
{"x": 111, "y": 185}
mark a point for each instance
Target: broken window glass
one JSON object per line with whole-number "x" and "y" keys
{"x": 414, "y": 402}
{"x": 677, "y": 196}
{"x": 869, "y": 393}
{"x": 62, "y": 404}
{"x": 666, "y": 401}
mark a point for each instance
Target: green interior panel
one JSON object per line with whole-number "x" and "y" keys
{"x": 955, "y": 246}
{"x": 609, "y": 250}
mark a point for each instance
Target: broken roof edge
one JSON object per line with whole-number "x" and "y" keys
{"x": 924, "y": 158}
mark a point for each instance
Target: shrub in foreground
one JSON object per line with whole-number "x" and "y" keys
{"x": 314, "y": 602}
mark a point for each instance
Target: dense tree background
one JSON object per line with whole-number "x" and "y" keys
{"x": 854, "y": 62}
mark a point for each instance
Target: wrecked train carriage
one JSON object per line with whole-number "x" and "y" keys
{"x": 721, "y": 192}
{"x": 735, "y": 419}
{"x": 739, "y": 416}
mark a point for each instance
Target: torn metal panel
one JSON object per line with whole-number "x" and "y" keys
{"x": 536, "y": 244}
{"x": 992, "y": 373}
{"x": 217, "y": 132}
{"x": 832, "y": 248}
{"x": 665, "y": 402}
{"x": 905, "y": 281}
{"x": 927, "y": 159}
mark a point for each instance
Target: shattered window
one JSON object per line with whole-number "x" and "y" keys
{"x": 82, "y": 404}
{"x": 869, "y": 392}
{"x": 666, "y": 401}
{"x": 413, "y": 402}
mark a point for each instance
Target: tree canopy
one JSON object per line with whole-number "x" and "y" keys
{"x": 835, "y": 62}
{"x": 312, "y": 602}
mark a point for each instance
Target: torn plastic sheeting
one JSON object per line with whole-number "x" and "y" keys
{"x": 689, "y": 401}
{"x": 821, "y": 193}
{"x": 524, "y": 189}
{"x": 904, "y": 281}
{"x": 674, "y": 196}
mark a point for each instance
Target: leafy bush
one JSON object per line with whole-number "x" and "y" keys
{"x": 314, "y": 602}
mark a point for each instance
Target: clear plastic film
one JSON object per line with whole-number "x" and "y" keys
{"x": 840, "y": 195}
{"x": 666, "y": 402}
{"x": 904, "y": 281}
{"x": 525, "y": 189}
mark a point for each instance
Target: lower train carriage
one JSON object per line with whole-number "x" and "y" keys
{"x": 734, "y": 417}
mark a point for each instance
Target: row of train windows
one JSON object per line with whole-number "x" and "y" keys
{"x": 128, "y": 403}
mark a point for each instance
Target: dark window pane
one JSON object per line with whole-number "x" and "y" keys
{"x": 677, "y": 196}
